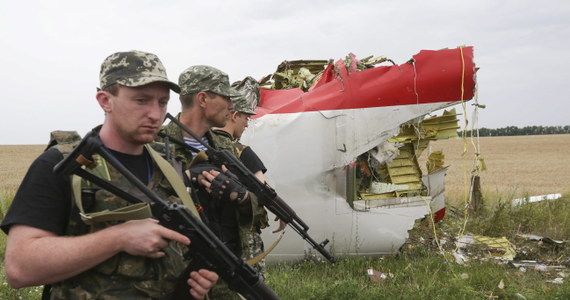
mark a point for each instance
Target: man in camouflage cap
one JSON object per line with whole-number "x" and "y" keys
{"x": 132, "y": 257}
{"x": 205, "y": 95}
{"x": 238, "y": 120}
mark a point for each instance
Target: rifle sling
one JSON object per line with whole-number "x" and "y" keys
{"x": 139, "y": 210}
{"x": 267, "y": 251}
{"x": 174, "y": 179}
{"x": 201, "y": 156}
{"x": 131, "y": 212}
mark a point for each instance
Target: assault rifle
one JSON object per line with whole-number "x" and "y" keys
{"x": 211, "y": 253}
{"x": 266, "y": 194}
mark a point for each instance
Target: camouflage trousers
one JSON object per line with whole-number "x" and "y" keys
{"x": 254, "y": 248}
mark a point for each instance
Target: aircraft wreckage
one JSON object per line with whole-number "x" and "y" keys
{"x": 341, "y": 141}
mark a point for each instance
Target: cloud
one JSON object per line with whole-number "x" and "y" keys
{"x": 51, "y": 51}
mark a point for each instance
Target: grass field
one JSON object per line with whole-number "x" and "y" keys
{"x": 14, "y": 162}
{"x": 423, "y": 269}
{"x": 517, "y": 166}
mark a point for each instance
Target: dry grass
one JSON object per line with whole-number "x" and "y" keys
{"x": 517, "y": 166}
{"x": 14, "y": 162}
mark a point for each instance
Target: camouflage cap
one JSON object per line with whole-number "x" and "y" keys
{"x": 205, "y": 79}
{"x": 133, "y": 69}
{"x": 248, "y": 88}
{"x": 242, "y": 105}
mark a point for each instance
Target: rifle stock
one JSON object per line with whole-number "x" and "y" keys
{"x": 266, "y": 194}
{"x": 210, "y": 251}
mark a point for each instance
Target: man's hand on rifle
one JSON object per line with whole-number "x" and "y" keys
{"x": 224, "y": 185}
{"x": 201, "y": 282}
{"x": 281, "y": 226}
{"x": 146, "y": 237}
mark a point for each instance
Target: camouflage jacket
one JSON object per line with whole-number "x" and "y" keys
{"x": 183, "y": 157}
{"x": 252, "y": 243}
{"x": 226, "y": 141}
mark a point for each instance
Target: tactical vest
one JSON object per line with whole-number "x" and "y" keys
{"x": 250, "y": 242}
{"x": 123, "y": 276}
{"x": 221, "y": 216}
{"x": 222, "y": 140}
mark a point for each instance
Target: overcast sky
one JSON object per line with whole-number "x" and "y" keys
{"x": 51, "y": 51}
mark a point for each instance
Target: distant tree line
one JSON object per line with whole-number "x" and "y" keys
{"x": 514, "y": 130}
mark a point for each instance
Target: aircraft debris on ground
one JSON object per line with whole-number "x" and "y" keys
{"x": 341, "y": 140}
{"x": 538, "y": 198}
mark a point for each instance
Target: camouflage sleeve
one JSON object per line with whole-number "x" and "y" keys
{"x": 258, "y": 218}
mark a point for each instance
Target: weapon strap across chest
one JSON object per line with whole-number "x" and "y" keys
{"x": 175, "y": 180}
{"x": 136, "y": 211}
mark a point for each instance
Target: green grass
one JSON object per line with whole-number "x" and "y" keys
{"x": 546, "y": 218}
{"x": 5, "y": 201}
{"x": 424, "y": 270}
{"x": 417, "y": 274}
{"x": 7, "y": 293}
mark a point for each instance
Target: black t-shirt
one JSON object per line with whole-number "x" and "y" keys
{"x": 43, "y": 200}
{"x": 140, "y": 165}
{"x": 250, "y": 159}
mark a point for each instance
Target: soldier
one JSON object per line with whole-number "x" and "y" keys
{"x": 237, "y": 122}
{"x": 235, "y": 126}
{"x": 230, "y": 210}
{"x": 48, "y": 242}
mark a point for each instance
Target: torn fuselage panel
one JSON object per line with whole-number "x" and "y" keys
{"x": 309, "y": 142}
{"x": 398, "y": 179}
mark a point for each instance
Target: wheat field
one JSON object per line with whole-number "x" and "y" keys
{"x": 14, "y": 162}
{"x": 517, "y": 166}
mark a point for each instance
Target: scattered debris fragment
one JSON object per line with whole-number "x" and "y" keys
{"x": 501, "y": 285}
{"x": 547, "y": 240}
{"x": 557, "y": 280}
{"x": 498, "y": 248}
{"x": 526, "y": 264}
{"x": 539, "y": 198}
{"x": 460, "y": 258}
{"x": 378, "y": 276}
{"x": 476, "y": 247}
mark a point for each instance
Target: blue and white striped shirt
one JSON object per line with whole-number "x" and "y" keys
{"x": 195, "y": 144}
